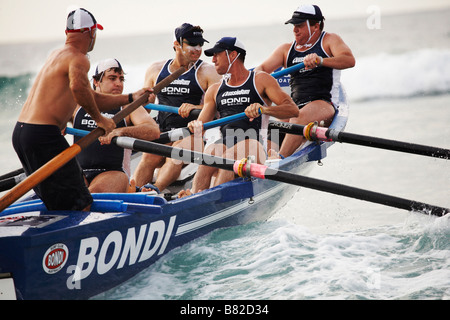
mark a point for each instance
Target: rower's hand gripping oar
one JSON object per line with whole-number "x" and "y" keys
{"x": 313, "y": 132}
{"x": 60, "y": 160}
{"x": 179, "y": 133}
{"x": 265, "y": 172}
{"x": 11, "y": 179}
{"x": 288, "y": 70}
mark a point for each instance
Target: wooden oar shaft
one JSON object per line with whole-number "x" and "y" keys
{"x": 39, "y": 175}
{"x": 264, "y": 172}
{"x": 64, "y": 157}
{"x": 326, "y": 134}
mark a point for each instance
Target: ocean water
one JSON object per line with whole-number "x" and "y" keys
{"x": 319, "y": 246}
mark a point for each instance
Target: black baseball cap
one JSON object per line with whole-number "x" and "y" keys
{"x": 192, "y": 34}
{"x": 226, "y": 43}
{"x": 306, "y": 12}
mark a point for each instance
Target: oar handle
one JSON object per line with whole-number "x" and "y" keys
{"x": 289, "y": 70}
{"x": 160, "y": 107}
{"x": 180, "y": 133}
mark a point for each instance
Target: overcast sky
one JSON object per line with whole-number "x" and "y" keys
{"x": 25, "y": 20}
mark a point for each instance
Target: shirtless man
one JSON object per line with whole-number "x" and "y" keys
{"x": 314, "y": 88}
{"x": 186, "y": 93}
{"x": 59, "y": 87}
{"x": 241, "y": 91}
{"x": 107, "y": 167}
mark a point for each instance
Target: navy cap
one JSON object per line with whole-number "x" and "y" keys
{"x": 306, "y": 12}
{"x": 192, "y": 34}
{"x": 226, "y": 43}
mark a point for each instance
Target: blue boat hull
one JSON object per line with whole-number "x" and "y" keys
{"x": 77, "y": 255}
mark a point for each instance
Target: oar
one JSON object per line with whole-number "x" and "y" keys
{"x": 180, "y": 133}
{"x": 314, "y": 132}
{"x": 175, "y": 134}
{"x": 10, "y": 182}
{"x": 60, "y": 160}
{"x": 10, "y": 179}
{"x": 12, "y": 174}
{"x": 289, "y": 70}
{"x": 264, "y": 172}
{"x": 160, "y": 107}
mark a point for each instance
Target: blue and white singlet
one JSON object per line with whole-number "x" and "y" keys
{"x": 185, "y": 89}
{"x": 97, "y": 156}
{"x": 320, "y": 83}
{"x": 232, "y": 100}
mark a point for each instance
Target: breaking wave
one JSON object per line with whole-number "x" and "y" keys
{"x": 14, "y": 90}
{"x": 416, "y": 73}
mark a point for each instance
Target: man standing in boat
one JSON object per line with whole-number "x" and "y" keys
{"x": 315, "y": 88}
{"x": 241, "y": 90}
{"x": 186, "y": 93}
{"x": 61, "y": 84}
{"x": 107, "y": 167}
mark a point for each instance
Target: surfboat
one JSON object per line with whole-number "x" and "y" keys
{"x": 77, "y": 255}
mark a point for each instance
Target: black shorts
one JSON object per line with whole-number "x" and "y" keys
{"x": 65, "y": 189}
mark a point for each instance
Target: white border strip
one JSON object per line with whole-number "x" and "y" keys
{"x": 225, "y": 213}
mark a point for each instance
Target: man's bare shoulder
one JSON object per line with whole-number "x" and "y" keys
{"x": 68, "y": 58}
{"x": 331, "y": 38}
{"x": 74, "y": 54}
{"x": 285, "y": 47}
{"x": 208, "y": 71}
{"x": 208, "y": 67}
{"x": 212, "y": 90}
{"x": 262, "y": 76}
{"x": 156, "y": 67}
{"x": 152, "y": 73}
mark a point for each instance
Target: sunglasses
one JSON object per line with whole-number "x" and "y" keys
{"x": 194, "y": 44}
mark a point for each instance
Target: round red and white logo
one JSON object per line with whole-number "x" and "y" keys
{"x": 55, "y": 258}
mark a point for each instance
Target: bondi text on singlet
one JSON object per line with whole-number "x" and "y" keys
{"x": 97, "y": 156}
{"x": 232, "y": 100}
{"x": 185, "y": 89}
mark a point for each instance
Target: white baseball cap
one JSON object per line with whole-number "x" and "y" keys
{"x": 106, "y": 65}
{"x": 81, "y": 20}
